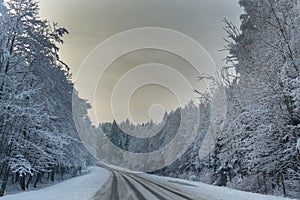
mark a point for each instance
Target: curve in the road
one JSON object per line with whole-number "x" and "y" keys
{"x": 162, "y": 187}
{"x": 128, "y": 185}
{"x": 125, "y": 185}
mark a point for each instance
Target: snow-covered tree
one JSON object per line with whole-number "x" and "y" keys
{"x": 37, "y": 130}
{"x": 260, "y": 135}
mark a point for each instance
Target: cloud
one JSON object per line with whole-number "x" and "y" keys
{"x": 92, "y": 21}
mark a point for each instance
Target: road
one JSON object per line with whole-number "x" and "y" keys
{"x": 127, "y": 185}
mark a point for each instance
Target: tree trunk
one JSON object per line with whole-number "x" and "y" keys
{"x": 28, "y": 182}
{"x": 23, "y": 182}
{"x": 17, "y": 177}
{"x": 5, "y": 178}
{"x": 265, "y": 183}
{"x": 283, "y": 185}
{"x": 53, "y": 174}
{"x": 48, "y": 176}
{"x": 62, "y": 172}
{"x": 258, "y": 181}
{"x": 41, "y": 177}
{"x": 37, "y": 179}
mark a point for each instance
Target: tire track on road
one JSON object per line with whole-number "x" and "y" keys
{"x": 163, "y": 187}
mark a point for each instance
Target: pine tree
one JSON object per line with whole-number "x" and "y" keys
{"x": 260, "y": 130}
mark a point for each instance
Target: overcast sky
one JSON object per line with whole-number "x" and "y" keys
{"x": 92, "y": 21}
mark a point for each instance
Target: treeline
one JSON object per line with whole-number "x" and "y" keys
{"x": 189, "y": 165}
{"x": 38, "y": 138}
{"x": 149, "y": 137}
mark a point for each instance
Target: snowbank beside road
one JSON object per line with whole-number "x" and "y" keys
{"x": 79, "y": 188}
{"x": 213, "y": 192}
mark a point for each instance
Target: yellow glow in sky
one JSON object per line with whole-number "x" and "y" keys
{"x": 90, "y": 22}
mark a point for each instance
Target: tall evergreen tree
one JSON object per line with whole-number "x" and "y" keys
{"x": 37, "y": 130}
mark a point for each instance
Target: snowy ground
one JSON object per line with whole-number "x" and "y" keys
{"x": 214, "y": 192}
{"x": 84, "y": 188}
{"x": 79, "y": 188}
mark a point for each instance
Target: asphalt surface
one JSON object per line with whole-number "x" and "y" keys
{"x": 127, "y": 185}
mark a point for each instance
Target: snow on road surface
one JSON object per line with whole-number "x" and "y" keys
{"x": 79, "y": 188}
{"x": 85, "y": 187}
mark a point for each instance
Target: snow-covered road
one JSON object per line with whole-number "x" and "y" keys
{"x": 100, "y": 184}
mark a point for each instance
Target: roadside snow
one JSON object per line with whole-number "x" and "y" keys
{"x": 211, "y": 192}
{"x": 79, "y": 188}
